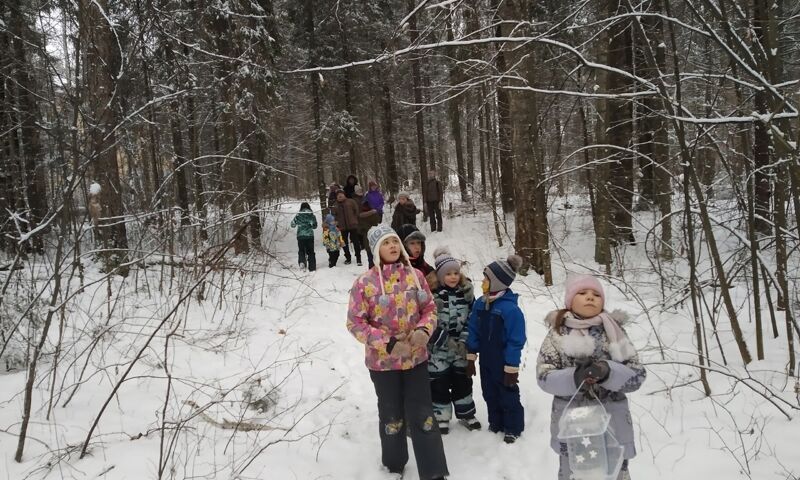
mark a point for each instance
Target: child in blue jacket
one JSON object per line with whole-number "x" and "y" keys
{"x": 497, "y": 335}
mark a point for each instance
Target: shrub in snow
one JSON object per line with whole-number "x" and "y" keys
{"x": 15, "y": 354}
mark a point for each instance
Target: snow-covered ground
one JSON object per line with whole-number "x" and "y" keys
{"x": 278, "y": 335}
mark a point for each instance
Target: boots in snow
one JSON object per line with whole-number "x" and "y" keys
{"x": 471, "y": 423}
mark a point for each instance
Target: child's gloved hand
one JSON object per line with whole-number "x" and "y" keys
{"x": 419, "y": 338}
{"x": 461, "y": 350}
{"x": 598, "y": 371}
{"x": 510, "y": 379}
{"x": 580, "y": 371}
{"x": 591, "y": 372}
{"x": 471, "y": 368}
{"x": 399, "y": 346}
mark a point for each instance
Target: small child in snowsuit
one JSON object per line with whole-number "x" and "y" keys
{"x": 331, "y": 239}
{"x": 414, "y": 241}
{"x": 305, "y": 222}
{"x": 497, "y": 334}
{"x": 587, "y": 348}
{"x": 451, "y": 387}
{"x": 392, "y": 312}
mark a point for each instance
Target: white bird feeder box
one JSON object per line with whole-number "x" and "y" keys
{"x": 594, "y": 453}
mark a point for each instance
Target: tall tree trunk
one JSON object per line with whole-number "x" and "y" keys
{"x": 532, "y": 235}
{"x": 655, "y": 186}
{"x": 197, "y": 177}
{"x": 392, "y": 182}
{"x": 599, "y": 174}
{"x": 315, "y": 97}
{"x": 32, "y": 179}
{"x": 761, "y": 138}
{"x": 504, "y": 145}
{"x": 619, "y": 121}
{"x": 348, "y": 103}
{"x": 179, "y": 165}
{"x": 102, "y": 67}
{"x": 454, "y": 115}
{"x": 418, "y": 115}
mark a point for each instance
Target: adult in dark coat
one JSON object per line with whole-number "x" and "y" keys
{"x": 350, "y": 185}
{"x": 433, "y": 194}
{"x": 346, "y": 212}
{"x": 404, "y": 212}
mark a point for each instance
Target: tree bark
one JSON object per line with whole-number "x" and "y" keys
{"x": 419, "y": 118}
{"x": 619, "y": 121}
{"x": 388, "y": 140}
{"x": 101, "y": 67}
{"x": 315, "y": 97}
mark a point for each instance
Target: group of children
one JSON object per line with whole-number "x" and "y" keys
{"x": 426, "y": 336}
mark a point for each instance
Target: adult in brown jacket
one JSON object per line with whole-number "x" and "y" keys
{"x": 433, "y": 194}
{"x": 346, "y": 213}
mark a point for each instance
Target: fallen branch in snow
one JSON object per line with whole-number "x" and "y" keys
{"x": 11, "y": 266}
{"x": 226, "y": 424}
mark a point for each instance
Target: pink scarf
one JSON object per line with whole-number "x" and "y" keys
{"x": 580, "y": 344}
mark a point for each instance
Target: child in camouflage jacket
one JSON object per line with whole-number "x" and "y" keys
{"x": 451, "y": 387}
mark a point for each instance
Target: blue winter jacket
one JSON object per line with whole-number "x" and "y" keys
{"x": 497, "y": 334}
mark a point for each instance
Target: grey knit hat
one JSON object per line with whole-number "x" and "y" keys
{"x": 501, "y": 273}
{"x": 444, "y": 263}
{"x": 377, "y": 235}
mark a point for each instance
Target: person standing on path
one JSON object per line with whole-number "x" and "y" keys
{"x": 433, "y": 194}
{"x": 405, "y": 212}
{"x": 346, "y": 213}
{"x": 350, "y": 186}
{"x": 587, "y": 355}
{"x": 496, "y": 328}
{"x": 374, "y": 198}
{"x": 332, "y": 189}
{"x": 392, "y": 312}
{"x": 368, "y": 217}
{"x": 305, "y": 222}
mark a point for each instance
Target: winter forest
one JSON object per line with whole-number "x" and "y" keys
{"x": 154, "y": 320}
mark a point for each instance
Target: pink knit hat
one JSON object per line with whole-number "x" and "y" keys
{"x": 577, "y": 283}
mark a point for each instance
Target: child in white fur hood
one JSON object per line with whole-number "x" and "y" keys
{"x": 587, "y": 348}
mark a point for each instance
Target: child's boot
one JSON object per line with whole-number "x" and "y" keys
{"x": 444, "y": 427}
{"x": 471, "y": 423}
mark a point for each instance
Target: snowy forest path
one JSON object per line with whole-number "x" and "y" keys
{"x": 316, "y": 312}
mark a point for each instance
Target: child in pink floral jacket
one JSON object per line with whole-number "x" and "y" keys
{"x": 392, "y": 313}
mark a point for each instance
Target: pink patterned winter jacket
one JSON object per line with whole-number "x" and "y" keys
{"x": 375, "y": 315}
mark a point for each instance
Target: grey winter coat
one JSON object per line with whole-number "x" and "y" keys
{"x": 555, "y": 368}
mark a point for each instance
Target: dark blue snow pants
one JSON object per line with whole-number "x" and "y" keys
{"x": 505, "y": 409}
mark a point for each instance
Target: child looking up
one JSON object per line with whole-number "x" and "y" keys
{"x": 451, "y": 387}
{"x": 586, "y": 348}
{"x": 497, "y": 334}
{"x": 391, "y": 311}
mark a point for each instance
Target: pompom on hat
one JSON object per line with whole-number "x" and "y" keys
{"x": 501, "y": 273}
{"x": 576, "y": 283}
{"x": 445, "y": 263}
